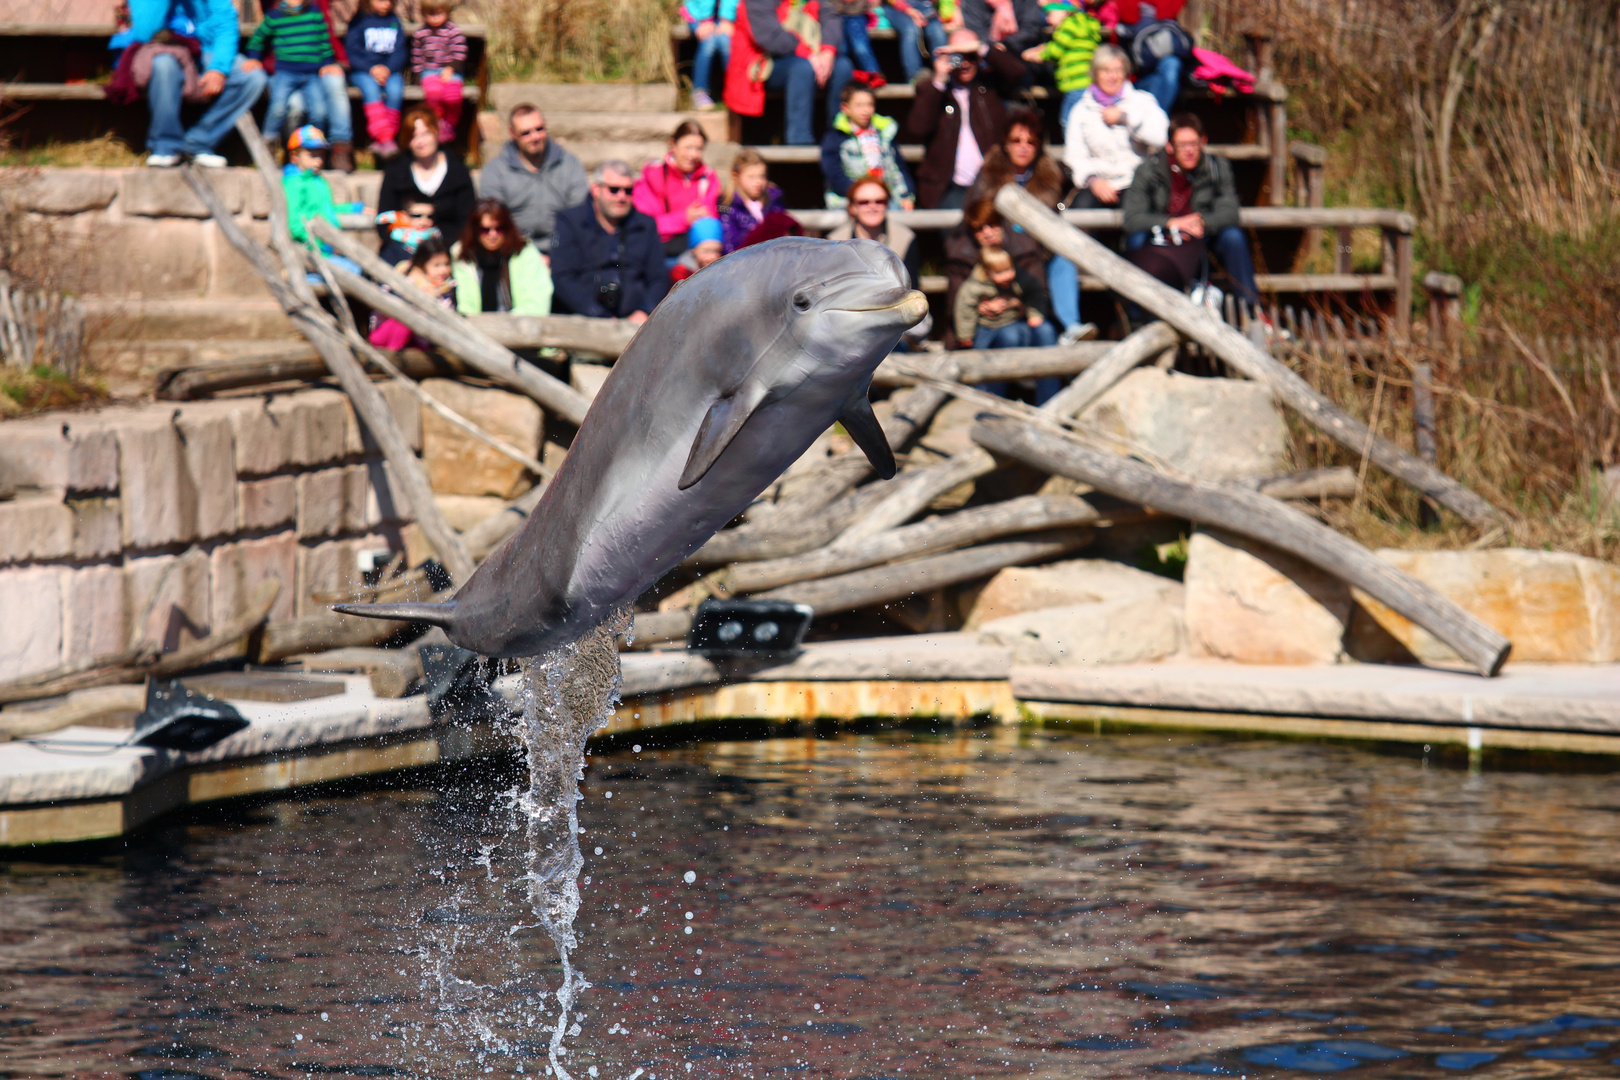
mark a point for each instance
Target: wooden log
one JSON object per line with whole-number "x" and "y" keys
{"x": 992, "y": 365}
{"x": 752, "y": 545}
{"x": 1338, "y": 482}
{"x": 1201, "y": 326}
{"x": 1120, "y": 360}
{"x": 297, "y": 299}
{"x": 417, "y": 310}
{"x": 578, "y": 333}
{"x": 1250, "y": 514}
{"x": 80, "y": 706}
{"x": 489, "y": 534}
{"x": 287, "y": 365}
{"x": 912, "y": 493}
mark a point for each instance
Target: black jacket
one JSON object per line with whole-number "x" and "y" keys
{"x": 1214, "y": 194}
{"x": 579, "y": 255}
{"x": 934, "y": 119}
{"x": 452, "y": 204}
{"x": 1031, "y": 23}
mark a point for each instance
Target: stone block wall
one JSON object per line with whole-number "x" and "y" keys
{"x": 154, "y": 523}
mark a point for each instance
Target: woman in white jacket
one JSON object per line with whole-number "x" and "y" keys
{"x": 1112, "y": 128}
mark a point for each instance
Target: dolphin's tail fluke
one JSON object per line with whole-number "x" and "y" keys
{"x": 436, "y": 614}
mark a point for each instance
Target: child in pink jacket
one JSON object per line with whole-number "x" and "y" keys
{"x": 680, "y": 189}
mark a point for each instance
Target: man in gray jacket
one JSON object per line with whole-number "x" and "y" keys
{"x": 534, "y": 177}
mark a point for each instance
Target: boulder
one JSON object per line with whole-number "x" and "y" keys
{"x": 457, "y": 463}
{"x": 1555, "y": 607}
{"x": 1253, "y": 604}
{"x": 1214, "y": 429}
{"x": 1120, "y": 630}
{"x": 588, "y": 378}
{"x": 947, "y": 434}
{"x": 1075, "y": 582}
{"x": 462, "y": 512}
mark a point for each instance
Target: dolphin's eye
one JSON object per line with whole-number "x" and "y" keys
{"x": 801, "y": 301}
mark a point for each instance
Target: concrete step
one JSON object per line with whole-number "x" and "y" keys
{"x": 114, "y": 319}
{"x": 585, "y": 97}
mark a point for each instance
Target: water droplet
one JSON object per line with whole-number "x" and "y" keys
{"x": 599, "y": 851}
{"x": 636, "y": 748}
{"x": 323, "y": 1016}
{"x": 688, "y": 929}
{"x": 299, "y": 1037}
{"x": 689, "y": 916}
{"x": 697, "y": 971}
{"x": 690, "y": 877}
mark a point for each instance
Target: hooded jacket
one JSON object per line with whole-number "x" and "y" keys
{"x": 1214, "y": 194}
{"x": 535, "y": 198}
{"x": 526, "y": 289}
{"x": 843, "y": 161}
{"x": 308, "y": 196}
{"x": 760, "y": 35}
{"x": 216, "y": 21}
{"x": 663, "y": 193}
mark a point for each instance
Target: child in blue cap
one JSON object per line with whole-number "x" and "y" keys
{"x": 703, "y": 246}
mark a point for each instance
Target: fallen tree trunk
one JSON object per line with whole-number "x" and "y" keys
{"x": 1250, "y": 514}
{"x": 1119, "y": 361}
{"x": 81, "y": 705}
{"x": 991, "y": 365}
{"x": 1203, "y": 326}
{"x": 753, "y": 545}
{"x": 913, "y": 492}
{"x": 579, "y": 333}
{"x": 1338, "y": 482}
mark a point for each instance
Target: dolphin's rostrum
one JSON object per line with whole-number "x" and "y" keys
{"x": 732, "y": 378}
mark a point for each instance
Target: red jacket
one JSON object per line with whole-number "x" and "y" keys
{"x": 745, "y": 94}
{"x": 1130, "y": 11}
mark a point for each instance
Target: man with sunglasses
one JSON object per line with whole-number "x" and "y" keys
{"x": 534, "y": 176}
{"x": 606, "y": 258}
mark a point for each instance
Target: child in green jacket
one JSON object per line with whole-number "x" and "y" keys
{"x": 309, "y": 195}
{"x": 1069, "y": 53}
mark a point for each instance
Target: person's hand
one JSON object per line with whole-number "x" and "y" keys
{"x": 704, "y": 29}
{"x": 726, "y": 28}
{"x": 1035, "y": 319}
{"x": 1034, "y": 54}
{"x": 1103, "y": 190}
{"x": 211, "y": 83}
{"x": 821, "y": 62}
{"x": 380, "y": 73}
{"x": 1113, "y": 116}
{"x": 248, "y": 64}
{"x": 942, "y": 67}
{"x": 331, "y": 69}
{"x": 695, "y": 211}
{"x": 636, "y": 318}
{"x": 1191, "y": 224}
{"x": 918, "y": 18}
{"x": 908, "y": 204}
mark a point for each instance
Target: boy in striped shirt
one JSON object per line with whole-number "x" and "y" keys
{"x": 438, "y": 53}
{"x": 296, "y": 33}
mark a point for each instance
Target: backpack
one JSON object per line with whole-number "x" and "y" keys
{"x": 1155, "y": 41}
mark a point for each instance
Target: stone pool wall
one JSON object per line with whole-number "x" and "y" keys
{"x": 154, "y": 523}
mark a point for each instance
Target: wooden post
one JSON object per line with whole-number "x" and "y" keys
{"x": 1309, "y": 165}
{"x": 1401, "y": 242}
{"x": 1423, "y": 425}
{"x": 1201, "y": 325}
{"x": 1445, "y": 308}
{"x": 1278, "y": 129}
{"x": 1343, "y": 253}
{"x": 1250, "y": 514}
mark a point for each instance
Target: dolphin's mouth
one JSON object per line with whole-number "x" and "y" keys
{"x": 910, "y": 304}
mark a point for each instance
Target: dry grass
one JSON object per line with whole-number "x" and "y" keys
{"x": 581, "y": 40}
{"x": 107, "y": 151}
{"x": 43, "y": 389}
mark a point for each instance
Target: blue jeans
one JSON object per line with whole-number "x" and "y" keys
{"x": 716, "y": 44}
{"x": 1018, "y": 335}
{"x": 1231, "y": 247}
{"x": 857, "y": 44}
{"x": 283, "y": 85}
{"x": 166, "y": 136}
{"x": 1163, "y": 82}
{"x": 905, "y": 32}
{"x": 1071, "y": 98}
{"x": 1063, "y": 283}
{"x": 391, "y": 93}
{"x": 339, "y": 126}
{"x": 793, "y": 77}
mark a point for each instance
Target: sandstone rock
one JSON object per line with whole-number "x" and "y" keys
{"x": 588, "y": 378}
{"x": 97, "y": 527}
{"x": 1214, "y": 429}
{"x": 143, "y": 257}
{"x": 1553, "y": 606}
{"x": 320, "y": 503}
{"x": 95, "y": 612}
{"x": 1253, "y": 604}
{"x": 169, "y": 598}
{"x": 59, "y": 454}
{"x": 458, "y": 464}
{"x": 332, "y": 569}
{"x": 1066, "y": 584}
{"x": 35, "y": 527}
{"x": 318, "y": 423}
{"x": 62, "y": 191}
{"x": 407, "y": 409}
{"x": 158, "y": 501}
{"x": 465, "y": 511}
{"x": 947, "y": 434}
{"x": 1120, "y": 630}
{"x": 163, "y": 193}
{"x": 266, "y": 504}
{"x": 31, "y": 632}
{"x": 210, "y": 458}
{"x": 382, "y": 499}
{"x": 238, "y": 568}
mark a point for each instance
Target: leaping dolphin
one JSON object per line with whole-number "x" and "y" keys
{"x": 727, "y": 384}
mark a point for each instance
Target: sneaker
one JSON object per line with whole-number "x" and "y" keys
{"x": 1077, "y": 333}
{"x": 701, "y": 101}
{"x": 208, "y": 161}
{"x": 162, "y": 161}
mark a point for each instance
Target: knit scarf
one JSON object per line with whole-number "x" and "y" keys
{"x": 1107, "y": 101}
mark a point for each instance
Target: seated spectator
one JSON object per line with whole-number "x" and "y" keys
{"x": 1074, "y": 42}
{"x": 428, "y": 269}
{"x": 999, "y": 307}
{"x": 496, "y": 268}
{"x": 767, "y": 56}
{"x": 982, "y": 226}
{"x": 297, "y": 34}
{"x": 970, "y": 79}
{"x": 1158, "y": 76}
{"x": 908, "y": 19}
{"x": 703, "y": 247}
{"x": 334, "y": 79}
{"x": 1021, "y": 158}
{"x": 534, "y": 176}
{"x": 308, "y": 194}
{"x": 378, "y": 50}
{"x": 680, "y": 189}
{"x": 712, "y": 23}
{"x": 857, "y": 44}
{"x": 428, "y": 171}
{"x": 1112, "y": 129}
{"x": 869, "y": 202}
{"x": 438, "y": 53}
{"x": 860, "y": 143}
{"x": 407, "y": 228}
{"x": 1183, "y": 203}
{"x": 1015, "y": 25}
{"x": 754, "y": 206}
{"x": 230, "y": 81}
{"x": 606, "y": 259}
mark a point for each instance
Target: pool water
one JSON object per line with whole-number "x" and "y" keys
{"x": 983, "y": 904}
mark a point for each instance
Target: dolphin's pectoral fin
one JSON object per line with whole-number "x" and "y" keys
{"x": 863, "y": 427}
{"x": 726, "y": 417}
{"x": 436, "y": 614}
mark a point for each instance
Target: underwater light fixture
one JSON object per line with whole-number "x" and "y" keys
{"x": 748, "y": 627}
{"x": 179, "y": 718}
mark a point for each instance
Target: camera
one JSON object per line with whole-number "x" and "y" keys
{"x": 957, "y": 61}
{"x": 607, "y": 294}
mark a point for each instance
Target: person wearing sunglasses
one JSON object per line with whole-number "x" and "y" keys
{"x": 496, "y": 268}
{"x": 534, "y": 176}
{"x": 606, "y": 259}
{"x": 869, "y": 202}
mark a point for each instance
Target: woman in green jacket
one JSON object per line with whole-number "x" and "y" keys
{"x": 496, "y": 268}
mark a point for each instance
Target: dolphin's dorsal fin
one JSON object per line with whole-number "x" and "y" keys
{"x": 725, "y": 418}
{"x": 862, "y": 425}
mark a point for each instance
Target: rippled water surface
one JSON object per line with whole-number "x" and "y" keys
{"x": 981, "y": 904}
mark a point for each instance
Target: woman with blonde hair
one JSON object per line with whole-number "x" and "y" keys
{"x": 753, "y": 209}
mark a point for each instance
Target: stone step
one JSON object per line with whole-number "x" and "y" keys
{"x": 188, "y": 319}
{"x": 584, "y": 97}
{"x": 569, "y": 126}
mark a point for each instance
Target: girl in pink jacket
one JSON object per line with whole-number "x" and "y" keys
{"x": 680, "y": 189}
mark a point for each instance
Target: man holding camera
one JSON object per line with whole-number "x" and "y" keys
{"x": 606, "y": 259}
{"x": 960, "y": 114}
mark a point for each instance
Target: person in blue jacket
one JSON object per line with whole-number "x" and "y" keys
{"x": 606, "y": 259}
{"x": 225, "y": 79}
{"x": 378, "y": 49}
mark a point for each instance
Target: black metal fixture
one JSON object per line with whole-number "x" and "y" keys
{"x": 722, "y": 628}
